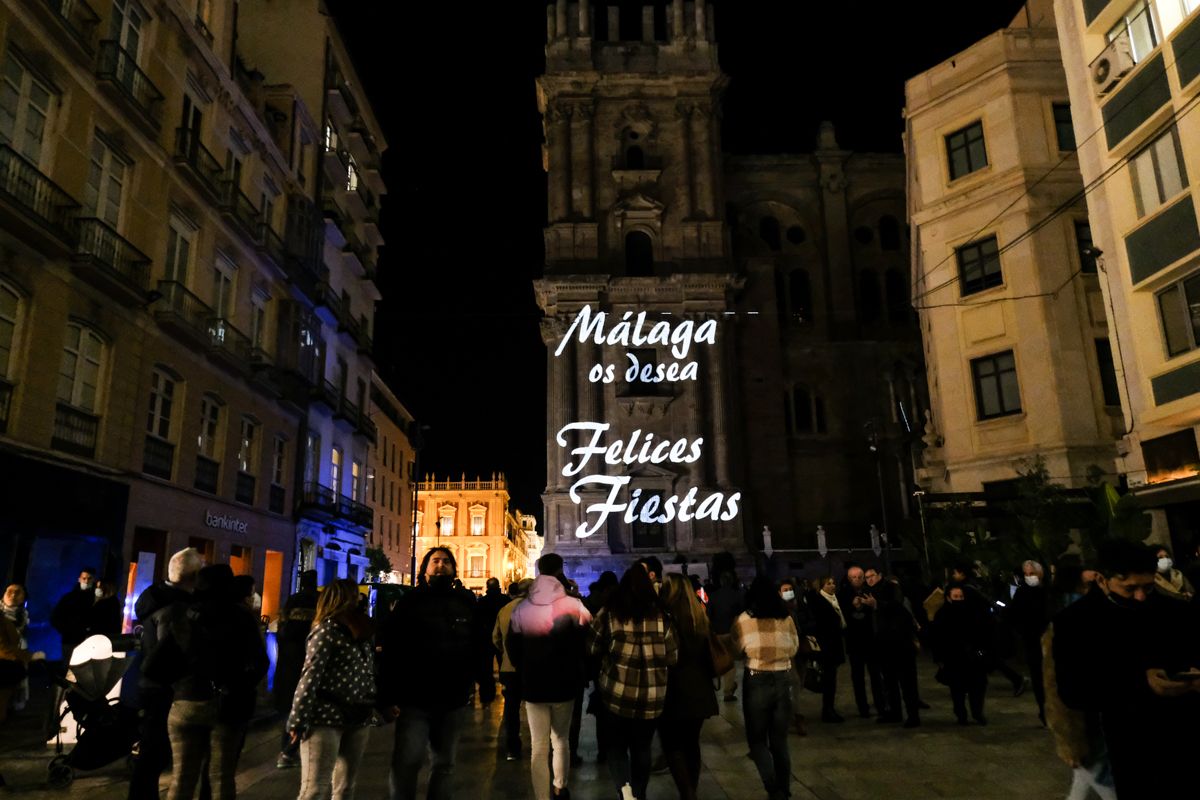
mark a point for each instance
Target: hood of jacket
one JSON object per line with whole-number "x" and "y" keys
{"x": 546, "y": 589}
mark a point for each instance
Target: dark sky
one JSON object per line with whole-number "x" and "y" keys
{"x": 453, "y": 86}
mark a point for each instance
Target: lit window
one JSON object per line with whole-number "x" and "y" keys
{"x": 446, "y": 522}
{"x": 162, "y": 398}
{"x": 966, "y": 151}
{"x": 335, "y": 470}
{"x": 477, "y": 565}
{"x": 1173, "y": 12}
{"x": 1158, "y": 173}
{"x": 210, "y": 419}
{"x": 979, "y": 266}
{"x": 1179, "y": 310}
{"x": 355, "y": 480}
{"x": 25, "y": 104}
{"x": 996, "y": 390}
{"x": 351, "y": 174}
{"x": 79, "y": 374}
{"x": 248, "y": 447}
{"x": 477, "y": 524}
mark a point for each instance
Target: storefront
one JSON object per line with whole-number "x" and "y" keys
{"x": 164, "y": 519}
{"x": 55, "y": 521}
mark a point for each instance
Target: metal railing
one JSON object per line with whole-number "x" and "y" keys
{"x": 24, "y": 185}
{"x": 235, "y": 203}
{"x": 6, "y": 392}
{"x": 225, "y": 337}
{"x": 119, "y": 66}
{"x": 349, "y": 411}
{"x": 315, "y": 495}
{"x": 208, "y": 474}
{"x": 354, "y": 511}
{"x": 79, "y": 18}
{"x": 158, "y": 457}
{"x": 367, "y": 427}
{"x": 178, "y": 301}
{"x": 74, "y": 431}
{"x": 243, "y": 491}
{"x": 271, "y": 243}
{"x": 190, "y": 151}
{"x": 105, "y": 247}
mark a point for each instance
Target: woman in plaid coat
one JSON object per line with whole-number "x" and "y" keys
{"x": 635, "y": 641}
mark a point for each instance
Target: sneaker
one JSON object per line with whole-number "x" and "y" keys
{"x": 286, "y": 762}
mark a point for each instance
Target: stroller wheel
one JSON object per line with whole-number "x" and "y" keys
{"x": 59, "y": 774}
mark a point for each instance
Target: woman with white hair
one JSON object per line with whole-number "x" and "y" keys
{"x": 1029, "y": 612}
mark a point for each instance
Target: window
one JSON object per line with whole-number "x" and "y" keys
{"x": 355, "y": 481}
{"x": 1087, "y": 251}
{"x": 224, "y": 272}
{"x": 312, "y": 458}
{"x": 267, "y": 207}
{"x": 278, "y": 460}
{"x": 248, "y": 447}
{"x": 477, "y": 520}
{"x": 1158, "y": 173}
{"x": 646, "y": 358}
{"x": 996, "y": 391}
{"x": 25, "y": 104}
{"x": 384, "y": 451}
{"x": 979, "y": 266}
{"x": 805, "y": 411}
{"x": 180, "y": 234}
{"x": 351, "y": 174}
{"x": 649, "y": 535}
{"x": 966, "y": 150}
{"x": 800, "y": 290}
{"x": 639, "y": 254}
{"x": 162, "y": 399}
{"x": 210, "y": 420}
{"x": 1108, "y": 373}
{"x": 1173, "y": 12}
{"x": 362, "y": 396}
{"x": 330, "y": 136}
{"x": 10, "y": 309}
{"x": 1064, "y": 132}
{"x": 1179, "y": 309}
{"x": 258, "y": 320}
{"x": 1138, "y": 26}
{"x": 106, "y": 182}
{"x": 446, "y": 522}
{"x": 127, "y": 20}
{"x": 478, "y": 565}
{"x": 79, "y": 374}
{"x": 335, "y": 470}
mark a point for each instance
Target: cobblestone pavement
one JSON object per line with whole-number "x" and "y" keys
{"x": 858, "y": 760}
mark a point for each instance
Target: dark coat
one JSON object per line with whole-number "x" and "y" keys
{"x": 860, "y": 622}
{"x": 487, "y": 608}
{"x": 1029, "y": 611}
{"x": 155, "y": 597}
{"x": 828, "y": 627}
{"x": 295, "y": 622}
{"x": 724, "y": 606}
{"x": 71, "y": 615}
{"x": 429, "y": 650}
{"x": 960, "y": 635}
{"x": 895, "y": 628}
{"x": 690, "y": 693}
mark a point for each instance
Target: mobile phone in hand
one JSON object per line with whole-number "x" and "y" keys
{"x": 1193, "y": 675}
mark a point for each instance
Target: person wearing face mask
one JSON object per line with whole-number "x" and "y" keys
{"x": 70, "y": 614}
{"x": 1169, "y": 580}
{"x": 427, "y": 675}
{"x": 1130, "y": 657}
{"x": 1029, "y": 611}
{"x": 104, "y": 616}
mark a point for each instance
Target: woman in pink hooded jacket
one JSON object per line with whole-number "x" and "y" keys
{"x": 546, "y": 645}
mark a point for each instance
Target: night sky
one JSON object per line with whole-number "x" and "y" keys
{"x": 452, "y": 84}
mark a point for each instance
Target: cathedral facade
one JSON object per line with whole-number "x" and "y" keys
{"x": 730, "y": 342}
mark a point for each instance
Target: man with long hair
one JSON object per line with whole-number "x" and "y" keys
{"x": 427, "y": 675}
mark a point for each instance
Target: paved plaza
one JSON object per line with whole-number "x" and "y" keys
{"x": 858, "y": 760}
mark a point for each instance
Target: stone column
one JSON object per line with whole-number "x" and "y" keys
{"x": 683, "y": 188}
{"x": 719, "y": 444}
{"x": 582, "y": 191}
{"x": 703, "y": 161}
{"x": 560, "y": 17}
{"x": 693, "y": 428}
{"x": 558, "y": 132}
{"x": 561, "y": 381}
{"x": 585, "y": 19}
{"x": 701, "y": 24}
{"x": 677, "y": 30}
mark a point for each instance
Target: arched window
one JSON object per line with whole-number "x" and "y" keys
{"x": 79, "y": 373}
{"x": 801, "y": 295}
{"x": 895, "y": 288}
{"x": 10, "y": 320}
{"x": 870, "y": 307}
{"x": 635, "y": 157}
{"x": 639, "y": 254}
{"x": 768, "y": 231}
{"x": 889, "y": 233}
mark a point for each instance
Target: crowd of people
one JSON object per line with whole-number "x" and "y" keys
{"x": 1111, "y": 648}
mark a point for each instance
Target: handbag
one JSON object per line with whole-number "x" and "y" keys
{"x": 814, "y": 678}
{"x": 720, "y": 657}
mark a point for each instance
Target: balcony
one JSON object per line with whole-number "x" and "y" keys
{"x": 208, "y": 473}
{"x": 227, "y": 345}
{"x": 243, "y": 491}
{"x": 73, "y": 22}
{"x": 111, "y": 263}
{"x": 348, "y": 412}
{"x": 270, "y": 244}
{"x": 354, "y": 512}
{"x": 43, "y": 212}
{"x": 239, "y": 208}
{"x": 324, "y": 393}
{"x": 276, "y": 498}
{"x": 75, "y": 431}
{"x": 327, "y": 304}
{"x": 338, "y": 97}
{"x": 183, "y": 314}
{"x": 6, "y": 393}
{"x": 118, "y": 69}
{"x": 367, "y": 428}
{"x": 355, "y": 200}
{"x": 319, "y": 501}
{"x": 158, "y": 457}
{"x": 366, "y": 347}
{"x": 336, "y": 160}
{"x": 202, "y": 167}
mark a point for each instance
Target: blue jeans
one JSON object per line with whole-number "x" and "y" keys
{"x": 417, "y": 729}
{"x": 767, "y": 708}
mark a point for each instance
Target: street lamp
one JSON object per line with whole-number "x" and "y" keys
{"x": 872, "y": 430}
{"x": 920, "y": 495}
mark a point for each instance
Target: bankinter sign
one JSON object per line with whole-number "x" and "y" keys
{"x": 640, "y": 448}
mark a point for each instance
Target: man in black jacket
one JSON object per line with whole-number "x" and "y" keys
{"x": 486, "y": 610}
{"x": 1132, "y": 656}
{"x": 428, "y": 671}
{"x": 896, "y": 639}
{"x": 154, "y": 698}
{"x": 73, "y": 611}
{"x": 858, "y": 605}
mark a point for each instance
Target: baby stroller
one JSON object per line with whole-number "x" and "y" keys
{"x": 90, "y": 713}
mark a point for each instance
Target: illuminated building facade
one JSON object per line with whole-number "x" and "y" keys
{"x": 390, "y": 468}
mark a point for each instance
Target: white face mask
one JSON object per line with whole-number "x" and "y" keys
{"x": 788, "y": 594}
{"x": 1165, "y": 564}
{"x": 1032, "y": 580}
{"x": 85, "y": 585}
{"x": 99, "y": 593}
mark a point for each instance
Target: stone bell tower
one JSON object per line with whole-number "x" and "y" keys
{"x": 631, "y": 106}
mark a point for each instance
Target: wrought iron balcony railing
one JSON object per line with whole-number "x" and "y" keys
{"x": 158, "y": 457}
{"x": 355, "y": 512}
{"x": 241, "y": 208}
{"x": 227, "y": 340}
{"x": 317, "y": 497}
{"x": 119, "y": 68}
{"x": 202, "y": 164}
{"x": 208, "y": 473}
{"x": 243, "y": 492}
{"x": 75, "y": 431}
{"x": 183, "y": 310}
{"x": 276, "y": 498}
{"x": 36, "y": 195}
{"x": 78, "y": 18}
{"x": 103, "y": 247}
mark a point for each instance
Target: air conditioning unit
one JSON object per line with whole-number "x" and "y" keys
{"x": 1112, "y": 65}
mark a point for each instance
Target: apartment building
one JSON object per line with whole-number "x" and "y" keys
{"x": 391, "y": 467}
